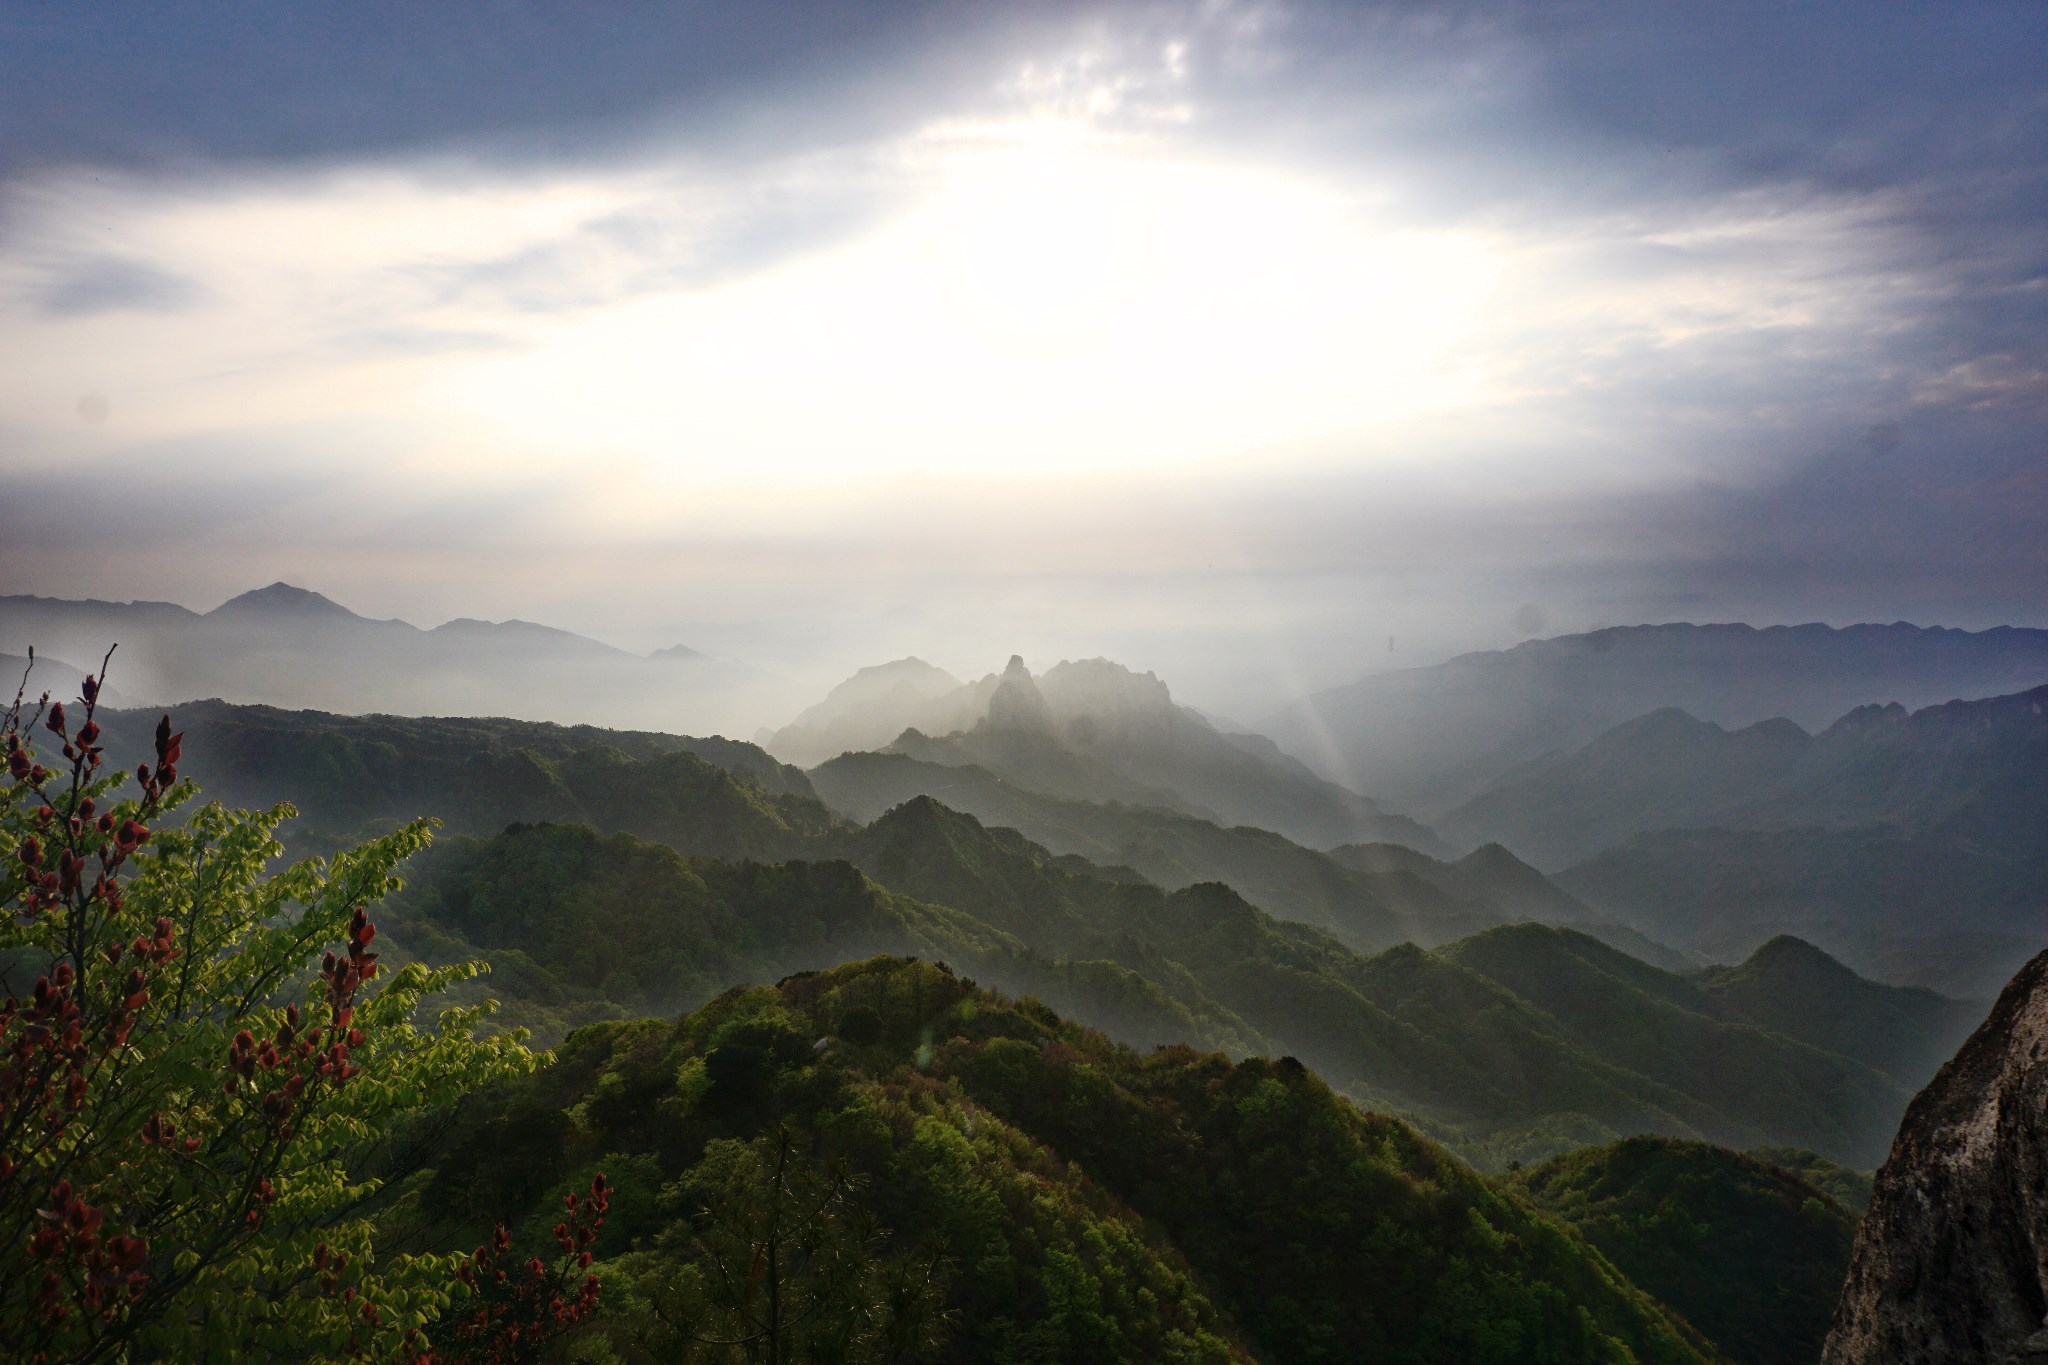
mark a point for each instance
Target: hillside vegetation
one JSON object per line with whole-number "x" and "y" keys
{"x": 968, "y": 1177}
{"x": 588, "y": 921}
{"x": 1750, "y": 1253}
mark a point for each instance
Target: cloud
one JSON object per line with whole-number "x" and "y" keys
{"x": 1241, "y": 334}
{"x": 112, "y": 284}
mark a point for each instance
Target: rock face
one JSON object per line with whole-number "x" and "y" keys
{"x": 1951, "y": 1262}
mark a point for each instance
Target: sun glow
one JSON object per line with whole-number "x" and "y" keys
{"x": 1051, "y": 303}
{"x": 1049, "y": 299}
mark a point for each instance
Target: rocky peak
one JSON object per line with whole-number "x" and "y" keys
{"x": 1951, "y": 1262}
{"x": 1016, "y": 704}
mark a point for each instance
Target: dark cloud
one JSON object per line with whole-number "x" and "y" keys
{"x": 113, "y": 284}
{"x": 140, "y": 82}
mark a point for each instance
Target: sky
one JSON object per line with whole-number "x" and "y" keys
{"x": 1259, "y": 344}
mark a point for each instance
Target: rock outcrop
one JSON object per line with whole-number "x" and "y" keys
{"x": 1951, "y": 1262}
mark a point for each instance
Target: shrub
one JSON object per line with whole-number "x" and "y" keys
{"x": 200, "y": 1093}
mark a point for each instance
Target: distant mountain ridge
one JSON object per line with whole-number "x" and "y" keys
{"x": 873, "y": 707}
{"x": 1903, "y": 842}
{"x": 289, "y": 646}
{"x": 1960, "y": 765}
{"x": 282, "y": 599}
{"x": 1432, "y": 738}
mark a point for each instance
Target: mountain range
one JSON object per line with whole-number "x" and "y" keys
{"x": 1908, "y": 842}
{"x": 35, "y": 676}
{"x": 284, "y": 644}
{"x": 1113, "y": 1142}
{"x": 1512, "y": 1044}
{"x": 640, "y": 873}
{"x": 1430, "y": 739}
{"x": 1972, "y": 769}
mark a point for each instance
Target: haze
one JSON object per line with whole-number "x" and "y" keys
{"x": 1260, "y": 345}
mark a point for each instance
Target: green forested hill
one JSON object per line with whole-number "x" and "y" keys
{"x": 1512, "y": 890}
{"x": 966, "y": 1177}
{"x": 1366, "y": 909}
{"x": 1850, "y": 1189}
{"x": 1665, "y": 1028}
{"x": 582, "y": 924}
{"x": 1750, "y": 1253}
{"x": 1794, "y": 988}
{"x": 478, "y": 775}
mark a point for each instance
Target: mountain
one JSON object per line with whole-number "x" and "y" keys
{"x": 1940, "y": 912}
{"x": 1791, "y": 987}
{"x": 1749, "y": 1253}
{"x": 873, "y": 707}
{"x": 1362, "y": 908}
{"x": 1905, "y": 843}
{"x": 713, "y": 796}
{"x": 289, "y": 646}
{"x": 1974, "y": 769}
{"x": 581, "y": 925}
{"x": 731, "y": 877}
{"x": 1667, "y": 1029}
{"x": 1850, "y": 1189}
{"x": 1091, "y": 730}
{"x": 1946, "y": 1265}
{"x": 1430, "y": 739}
{"x": 282, "y": 601}
{"x": 515, "y": 640}
{"x": 972, "y": 1172}
{"x": 1659, "y": 771}
{"x": 1509, "y": 889}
